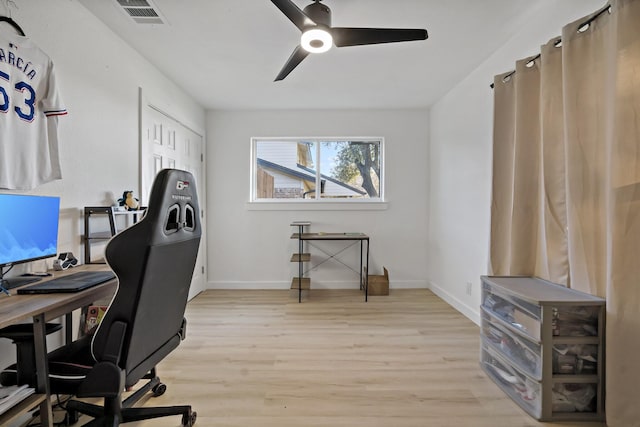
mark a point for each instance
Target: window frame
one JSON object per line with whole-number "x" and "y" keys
{"x": 374, "y": 203}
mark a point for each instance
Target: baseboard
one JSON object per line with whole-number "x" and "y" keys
{"x": 472, "y": 313}
{"x": 408, "y": 284}
{"x": 273, "y": 285}
{"x": 248, "y": 285}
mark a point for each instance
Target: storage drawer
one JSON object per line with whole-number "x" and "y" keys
{"x": 575, "y": 321}
{"x": 526, "y": 306}
{"x": 543, "y": 345}
{"x": 522, "y": 389}
{"x": 574, "y": 397}
{"x": 516, "y": 312}
{"x": 524, "y": 353}
{"x": 575, "y": 359}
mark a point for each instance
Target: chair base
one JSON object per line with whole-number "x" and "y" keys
{"x": 116, "y": 411}
{"x": 104, "y": 418}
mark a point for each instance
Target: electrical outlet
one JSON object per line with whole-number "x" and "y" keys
{"x": 469, "y": 285}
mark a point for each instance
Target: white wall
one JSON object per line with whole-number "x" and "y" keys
{"x": 99, "y": 76}
{"x": 251, "y": 248}
{"x": 460, "y": 162}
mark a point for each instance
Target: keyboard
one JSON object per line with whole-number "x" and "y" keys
{"x": 16, "y": 282}
{"x": 74, "y": 282}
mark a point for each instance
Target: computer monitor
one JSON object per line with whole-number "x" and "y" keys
{"x": 28, "y": 229}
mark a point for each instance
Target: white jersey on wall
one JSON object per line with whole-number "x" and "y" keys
{"x": 29, "y": 110}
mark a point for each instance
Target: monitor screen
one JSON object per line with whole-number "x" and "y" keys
{"x": 28, "y": 228}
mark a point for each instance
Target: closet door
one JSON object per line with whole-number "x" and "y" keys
{"x": 166, "y": 143}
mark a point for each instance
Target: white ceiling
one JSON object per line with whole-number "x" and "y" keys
{"x": 226, "y": 53}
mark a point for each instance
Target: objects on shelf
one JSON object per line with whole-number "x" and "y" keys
{"x": 11, "y": 395}
{"x": 129, "y": 202}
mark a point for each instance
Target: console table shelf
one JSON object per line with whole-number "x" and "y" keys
{"x": 304, "y": 283}
{"x": 300, "y": 257}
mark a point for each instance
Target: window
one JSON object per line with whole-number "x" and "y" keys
{"x": 329, "y": 169}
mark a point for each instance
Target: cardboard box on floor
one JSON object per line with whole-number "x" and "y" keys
{"x": 379, "y": 284}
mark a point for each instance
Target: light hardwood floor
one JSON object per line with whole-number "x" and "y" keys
{"x": 261, "y": 359}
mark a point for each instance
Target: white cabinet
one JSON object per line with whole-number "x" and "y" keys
{"x": 543, "y": 345}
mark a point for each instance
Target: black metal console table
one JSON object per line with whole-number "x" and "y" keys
{"x": 301, "y": 257}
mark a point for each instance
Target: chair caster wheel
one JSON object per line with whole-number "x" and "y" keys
{"x": 71, "y": 418}
{"x": 188, "y": 420}
{"x": 159, "y": 389}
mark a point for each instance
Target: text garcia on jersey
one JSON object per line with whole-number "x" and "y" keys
{"x": 16, "y": 61}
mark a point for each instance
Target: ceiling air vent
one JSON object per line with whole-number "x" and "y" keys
{"x": 142, "y": 11}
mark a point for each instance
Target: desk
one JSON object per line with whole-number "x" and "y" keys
{"x": 355, "y": 237}
{"x": 40, "y": 309}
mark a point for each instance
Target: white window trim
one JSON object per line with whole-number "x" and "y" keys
{"x": 317, "y": 203}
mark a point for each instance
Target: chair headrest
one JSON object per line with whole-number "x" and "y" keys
{"x": 173, "y": 205}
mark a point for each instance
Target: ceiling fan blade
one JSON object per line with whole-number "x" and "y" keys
{"x": 361, "y": 36}
{"x": 294, "y": 13}
{"x": 296, "y": 58}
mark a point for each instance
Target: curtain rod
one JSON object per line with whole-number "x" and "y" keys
{"x": 607, "y": 8}
{"x": 581, "y": 28}
{"x": 531, "y": 61}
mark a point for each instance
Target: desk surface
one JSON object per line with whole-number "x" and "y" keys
{"x": 16, "y": 308}
{"x": 330, "y": 236}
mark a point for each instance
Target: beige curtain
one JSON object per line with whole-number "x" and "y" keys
{"x": 566, "y": 179}
{"x": 528, "y": 235}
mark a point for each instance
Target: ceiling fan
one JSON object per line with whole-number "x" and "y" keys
{"x": 318, "y": 35}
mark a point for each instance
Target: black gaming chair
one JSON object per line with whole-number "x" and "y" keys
{"x": 154, "y": 261}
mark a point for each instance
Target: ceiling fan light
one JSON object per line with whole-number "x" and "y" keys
{"x": 316, "y": 40}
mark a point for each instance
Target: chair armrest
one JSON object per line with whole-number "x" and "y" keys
{"x": 104, "y": 380}
{"x": 24, "y": 331}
